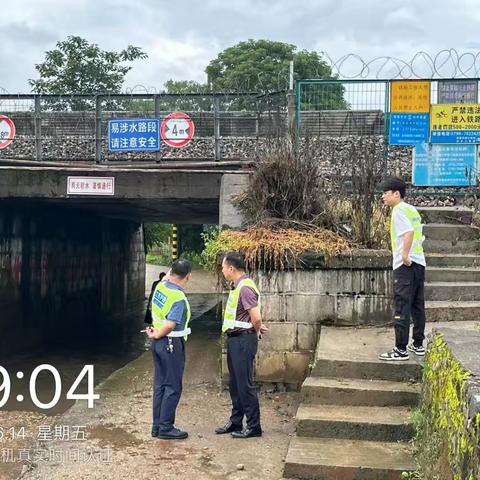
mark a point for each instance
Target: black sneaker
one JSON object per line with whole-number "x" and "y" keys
{"x": 394, "y": 355}
{"x": 228, "y": 428}
{"x": 420, "y": 350}
{"x": 155, "y": 431}
{"x": 173, "y": 434}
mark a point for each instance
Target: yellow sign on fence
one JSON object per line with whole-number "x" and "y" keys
{"x": 410, "y": 96}
{"x": 455, "y": 116}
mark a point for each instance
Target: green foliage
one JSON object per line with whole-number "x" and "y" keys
{"x": 213, "y": 245}
{"x": 186, "y": 101}
{"x": 263, "y": 66}
{"x": 447, "y": 440}
{"x": 77, "y": 66}
{"x": 194, "y": 257}
{"x": 156, "y": 234}
{"x": 163, "y": 259}
{"x": 190, "y": 238}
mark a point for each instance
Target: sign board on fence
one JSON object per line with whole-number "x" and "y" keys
{"x": 408, "y": 128}
{"x": 177, "y": 129}
{"x": 7, "y": 131}
{"x": 444, "y": 165}
{"x": 90, "y": 186}
{"x": 410, "y": 96}
{"x": 457, "y": 91}
{"x": 455, "y": 123}
{"x": 134, "y": 135}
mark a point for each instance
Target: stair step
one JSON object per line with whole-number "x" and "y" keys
{"x": 452, "y": 260}
{"x": 453, "y": 291}
{"x": 380, "y": 393}
{"x": 353, "y": 353}
{"x": 448, "y": 246}
{"x": 446, "y": 214}
{"x": 446, "y": 311}
{"x": 371, "y": 369}
{"x": 326, "y": 458}
{"x": 458, "y": 274}
{"x": 453, "y": 233}
{"x": 388, "y": 424}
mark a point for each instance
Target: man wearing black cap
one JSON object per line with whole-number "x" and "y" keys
{"x": 408, "y": 271}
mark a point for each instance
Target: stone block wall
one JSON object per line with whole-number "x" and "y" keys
{"x": 65, "y": 273}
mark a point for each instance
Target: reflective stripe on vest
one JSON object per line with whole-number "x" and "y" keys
{"x": 416, "y": 222}
{"x": 230, "y": 315}
{"x": 162, "y": 302}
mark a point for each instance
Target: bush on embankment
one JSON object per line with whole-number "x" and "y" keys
{"x": 447, "y": 441}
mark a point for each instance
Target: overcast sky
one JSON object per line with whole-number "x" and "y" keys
{"x": 182, "y": 36}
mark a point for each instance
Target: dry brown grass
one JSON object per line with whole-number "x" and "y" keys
{"x": 275, "y": 249}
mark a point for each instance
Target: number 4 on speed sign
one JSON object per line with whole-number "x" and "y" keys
{"x": 177, "y": 129}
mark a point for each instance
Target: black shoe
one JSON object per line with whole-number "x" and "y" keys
{"x": 173, "y": 434}
{"x": 228, "y": 428}
{"x": 155, "y": 431}
{"x": 247, "y": 433}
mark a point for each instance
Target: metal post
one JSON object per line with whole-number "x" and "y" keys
{"x": 291, "y": 113}
{"x": 216, "y": 127}
{"x": 157, "y": 116}
{"x": 38, "y": 128}
{"x": 386, "y": 127}
{"x": 290, "y": 79}
{"x": 298, "y": 113}
{"x": 98, "y": 129}
{"x": 174, "y": 243}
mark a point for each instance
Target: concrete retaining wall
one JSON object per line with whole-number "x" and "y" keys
{"x": 66, "y": 274}
{"x": 343, "y": 291}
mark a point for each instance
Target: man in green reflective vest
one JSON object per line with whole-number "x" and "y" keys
{"x": 408, "y": 272}
{"x": 169, "y": 331}
{"x": 242, "y": 324}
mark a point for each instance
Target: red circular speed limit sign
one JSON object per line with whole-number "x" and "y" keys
{"x": 7, "y": 131}
{"x": 177, "y": 129}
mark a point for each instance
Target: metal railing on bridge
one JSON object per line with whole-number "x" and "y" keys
{"x": 75, "y": 127}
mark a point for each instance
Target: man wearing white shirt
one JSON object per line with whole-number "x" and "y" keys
{"x": 408, "y": 272}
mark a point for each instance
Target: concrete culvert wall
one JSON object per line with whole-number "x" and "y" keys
{"x": 63, "y": 273}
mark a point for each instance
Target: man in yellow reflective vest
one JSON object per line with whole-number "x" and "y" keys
{"x": 242, "y": 323}
{"x": 169, "y": 331}
{"x": 408, "y": 272}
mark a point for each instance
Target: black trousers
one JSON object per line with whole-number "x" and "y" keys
{"x": 241, "y": 351}
{"x": 167, "y": 387}
{"x": 409, "y": 300}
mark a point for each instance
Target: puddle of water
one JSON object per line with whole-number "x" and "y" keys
{"x": 108, "y": 355}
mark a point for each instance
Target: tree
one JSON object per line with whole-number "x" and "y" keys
{"x": 155, "y": 234}
{"x": 263, "y": 66}
{"x": 187, "y": 102}
{"x": 77, "y": 66}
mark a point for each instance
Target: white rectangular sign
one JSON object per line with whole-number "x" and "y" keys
{"x": 91, "y": 186}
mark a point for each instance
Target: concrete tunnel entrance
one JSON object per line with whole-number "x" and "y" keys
{"x": 73, "y": 282}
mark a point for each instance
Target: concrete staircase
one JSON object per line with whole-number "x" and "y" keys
{"x": 354, "y": 420}
{"x": 452, "y": 247}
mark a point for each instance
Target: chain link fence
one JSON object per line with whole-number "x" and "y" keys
{"x": 339, "y": 114}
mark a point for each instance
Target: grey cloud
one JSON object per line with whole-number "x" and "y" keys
{"x": 370, "y": 28}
